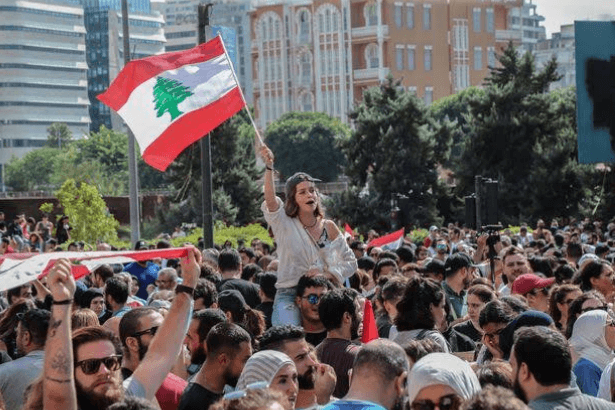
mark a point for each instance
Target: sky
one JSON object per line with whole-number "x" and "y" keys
{"x": 558, "y": 12}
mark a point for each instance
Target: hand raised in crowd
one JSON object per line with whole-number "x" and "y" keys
{"x": 324, "y": 383}
{"x": 191, "y": 269}
{"x": 266, "y": 155}
{"x": 60, "y": 280}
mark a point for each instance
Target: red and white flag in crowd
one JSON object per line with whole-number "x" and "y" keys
{"x": 370, "y": 330}
{"x": 348, "y": 232}
{"x": 391, "y": 241}
{"x": 171, "y": 100}
{"x": 17, "y": 269}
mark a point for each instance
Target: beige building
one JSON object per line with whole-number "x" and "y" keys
{"x": 320, "y": 55}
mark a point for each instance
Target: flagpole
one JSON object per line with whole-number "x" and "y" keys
{"x": 133, "y": 202}
{"x": 259, "y": 140}
{"x": 205, "y": 143}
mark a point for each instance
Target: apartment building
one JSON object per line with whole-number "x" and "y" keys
{"x": 42, "y": 73}
{"x": 321, "y": 55}
{"x": 561, "y": 46}
{"x": 525, "y": 30}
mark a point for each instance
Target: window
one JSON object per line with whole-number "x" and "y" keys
{"x": 478, "y": 58}
{"x": 426, "y": 16}
{"x": 428, "y": 95}
{"x": 412, "y": 89}
{"x": 304, "y": 26}
{"x": 306, "y": 68}
{"x": 398, "y": 14}
{"x": 371, "y": 14}
{"x": 410, "y": 15}
{"x": 491, "y": 57}
{"x": 399, "y": 57}
{"x": 411, "y": 57}
{"x": 427, "y": 57}
{"x": 371, "y": 56}
{"x": 476, "y": 15}
{"x": 306, "y": 102}
{"x": 489, "y": 24}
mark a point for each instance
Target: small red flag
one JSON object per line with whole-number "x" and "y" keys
{"x": 348, "y": 230}
{"x": 370, "y": 331}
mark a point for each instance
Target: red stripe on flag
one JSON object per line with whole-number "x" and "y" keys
{"x": 191, "y": 127}
{"x": 370, "y": 331}
{"x": 137, "y": 72}
{"x": 383, "y": 240}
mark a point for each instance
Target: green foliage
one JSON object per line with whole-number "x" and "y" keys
{"x": 58, "y": 135}
{"x": 307, "y": 142}
{"x": 394, "y": 151}
{"x": 418, "y": 235}
{"x": 33, "y": 171}
{"x": 88, "y": 213}
{"x": 47, "y": 207}
{"x": 236, "y": 195}
{"x": 247, "y": 233}
{"x": 526, "y": 138}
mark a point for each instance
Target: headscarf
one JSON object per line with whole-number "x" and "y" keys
{"x": 262, "y": 367}
{"x": 588, "y": 340}
{"x": 525, "y": 319}
{"x": 443, "y": 368}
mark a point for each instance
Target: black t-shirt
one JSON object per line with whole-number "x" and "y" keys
{"x": 248, "y": 290}
{"x": 468, "y": 329}
{"x": 384, "y": 324}
{"x": 315, "y": 338}
{"x": 197, "y": 397}
{"x": 267, "y": 309}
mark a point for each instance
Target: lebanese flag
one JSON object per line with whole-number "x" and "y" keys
{"x": 348, "y": 232}
{"x": 17, "y": 269}
{"x": 171, "y": 100}
{"x": 370, "y": 331}
{"x": 390, "y": 242}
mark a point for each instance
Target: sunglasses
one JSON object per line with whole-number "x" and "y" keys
{"x": 312, "y": 298}
{"x": 494, "y": 334}
{"x": 91, "y": 366}
{"x": 152, "y": 331}
{"x": 448, "y": 402}
{"x": 240, "y": 394}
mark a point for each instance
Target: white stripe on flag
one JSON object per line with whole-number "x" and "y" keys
{"x": 139, "y": 112}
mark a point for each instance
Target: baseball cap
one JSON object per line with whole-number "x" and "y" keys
{"x": 295, "y": 180}
{"x": 433, "y": 228}
{"x": 528, "y": 282}
{"x": 457, "y": 261}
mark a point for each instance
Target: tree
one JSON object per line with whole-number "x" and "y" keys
{"x": 88, "y": 213}
{"x": 33, "y": 171}
{"x": 234, "y": 176}
{"x": 168, "y": 94}
{"x": 58, "y": 135}
{"x": 393, "y": 151}
{"x": 526, "y": 138}
{"x": 307, "y": 142}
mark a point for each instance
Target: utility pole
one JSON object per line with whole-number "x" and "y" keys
{"x": 135, "y": 232}
{"x": 208, "y": 210}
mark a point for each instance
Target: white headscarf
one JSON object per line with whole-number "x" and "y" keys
{"x": 262, "y": 367}
{"x": 588, "y": 340}
{"x": 443, "y": 368}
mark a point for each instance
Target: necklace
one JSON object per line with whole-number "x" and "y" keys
{"x": 309, "y": 226}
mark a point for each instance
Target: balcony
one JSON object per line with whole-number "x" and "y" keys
{"x": 370, "y": 73}
{"x": 507, "y": 35}
{"x": 368, "y": 31}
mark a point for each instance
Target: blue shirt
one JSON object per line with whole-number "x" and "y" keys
{"x": 353, "y": 405}
{"x": 146, "y": 275}
{"x": 588, "y": 376}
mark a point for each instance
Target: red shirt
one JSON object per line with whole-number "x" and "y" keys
{"x": 170, "y": 392}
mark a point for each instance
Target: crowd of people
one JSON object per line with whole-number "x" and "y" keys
{"x": 281, "y": 327}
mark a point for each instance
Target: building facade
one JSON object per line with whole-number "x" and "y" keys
{"x": 562, "y": 47}
{"x": 42, "y": 73}
{"x": 524, "y": 26}
{"x": 105, "y": 48}
{"x": 181, "y": 31}
{"x": 321, "y": 55}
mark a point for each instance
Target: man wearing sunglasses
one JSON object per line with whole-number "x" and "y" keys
{"x": 309, "y": 292}
{"x": 16, "y": 375}
{"x": 86, "y": 374}
{"x": 137, "y": 330}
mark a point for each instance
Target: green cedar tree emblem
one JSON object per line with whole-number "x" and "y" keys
{"x": 168, "y": 94}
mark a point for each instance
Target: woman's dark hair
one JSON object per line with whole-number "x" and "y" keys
{"x": 496, "y": 311}
{"x": 557, "y": 295}
{"x": 564, "y": 273}
{"x": 592, "y": 269}
{"x": 8, "y": 323}
{"x": 381, "y": 264}
{"x": 542, "y": 264}
{"x": 414, "y": 308}
{"x": 576, "y": 308}
{"x": 484, "y": 293}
